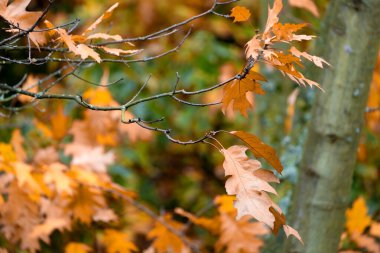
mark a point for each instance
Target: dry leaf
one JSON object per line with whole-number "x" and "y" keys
{"x": 260, "y": 149}
{"x": 16, "y": 14}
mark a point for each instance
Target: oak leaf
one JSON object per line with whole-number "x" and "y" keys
{"x": 118, "y": 242}
{"x": 260, "y": 149}
{"x": 240, "y": 236}
{"x": 236, "y": 92}
{"x": 272, "y": 17}
{"x": 240, "y": 14}
{"x": 163, "y": 239}
{"x": 107, "y": 14}
{"x": 16, "y": 14}
{"x": 250, "y": 191}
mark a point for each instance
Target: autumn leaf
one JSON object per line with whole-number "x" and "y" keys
{"x": 16, "y": 14}
{"x": 211, "y": 224}
{"x": 290, "y": 110}
{"x": 76, "y": 247}
{"x": 318, "y": 61}
{"x": 357, "y": 217}
{"x": 250, "y": 190}
{"x": 240, "y": 236}
{"x": 163, "y": 239}
{"x": 107, "y": 14}
{"x": 81, "y": 50}
{"x": 260, "y": 149}
{"x": 85, "y": 203}
{"x": 236, "y": 92}
{"x": 305, "y": 4}
{"x": 117, "y": 242}
{"x": 272, "y": 17}
{"x": 240, "y": 14}
{"x": 17, "y": 142}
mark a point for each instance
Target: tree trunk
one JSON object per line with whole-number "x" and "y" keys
{"x": 349, "y": 41}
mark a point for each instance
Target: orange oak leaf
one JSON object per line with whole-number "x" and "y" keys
{"x": 251, "y": 191}
{"x": 236, "y": 92}
{"x": 117, "y": 242}
{"x": 285, "y": 32}
{"x": 305, "y": 4}
{"x": 260, "y": 149}
{"x": 357, "y": 217}
{"x": 240, "y": 14}
{"x": 211, "y": 224}
{"x": 163, "y": 239}
{"x": 81, "y": 50}
{"x": 76, "y": 247}
{"x": 85, "y": 203}
{"x": 16, "y": 14}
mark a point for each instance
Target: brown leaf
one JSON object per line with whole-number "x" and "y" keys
{"x": 272, "y": 17}
{"x": 236, "y": 92}
{"x": 240, "y": 14}
{"x": 260, "y": 149}
{"x": 16, "y": 14}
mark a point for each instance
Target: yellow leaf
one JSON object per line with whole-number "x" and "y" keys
{"x": 59, "y": 123}
{"x": 118, "y": 242}
{"x": 357, "y": 218}
{"x": 99, "y": 96}
{"x": 225, "y": 203}
{"x": 76, "y": 247}
{"x": 240, "y": 14}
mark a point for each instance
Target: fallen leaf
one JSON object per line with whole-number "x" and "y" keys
{"x": 118, "y": 242}
{"x": 357, "y": 218}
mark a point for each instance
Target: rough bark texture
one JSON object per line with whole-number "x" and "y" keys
{"x": 349, "y": 41}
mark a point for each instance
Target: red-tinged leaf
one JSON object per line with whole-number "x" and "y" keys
{"x": 240, "y": 14}
{"x": 260, "y": 149}
{"x": 236, "y": 92}
{"x": 305, "y": 4}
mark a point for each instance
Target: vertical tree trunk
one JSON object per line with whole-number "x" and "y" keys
{"x": 349, "y": 41}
